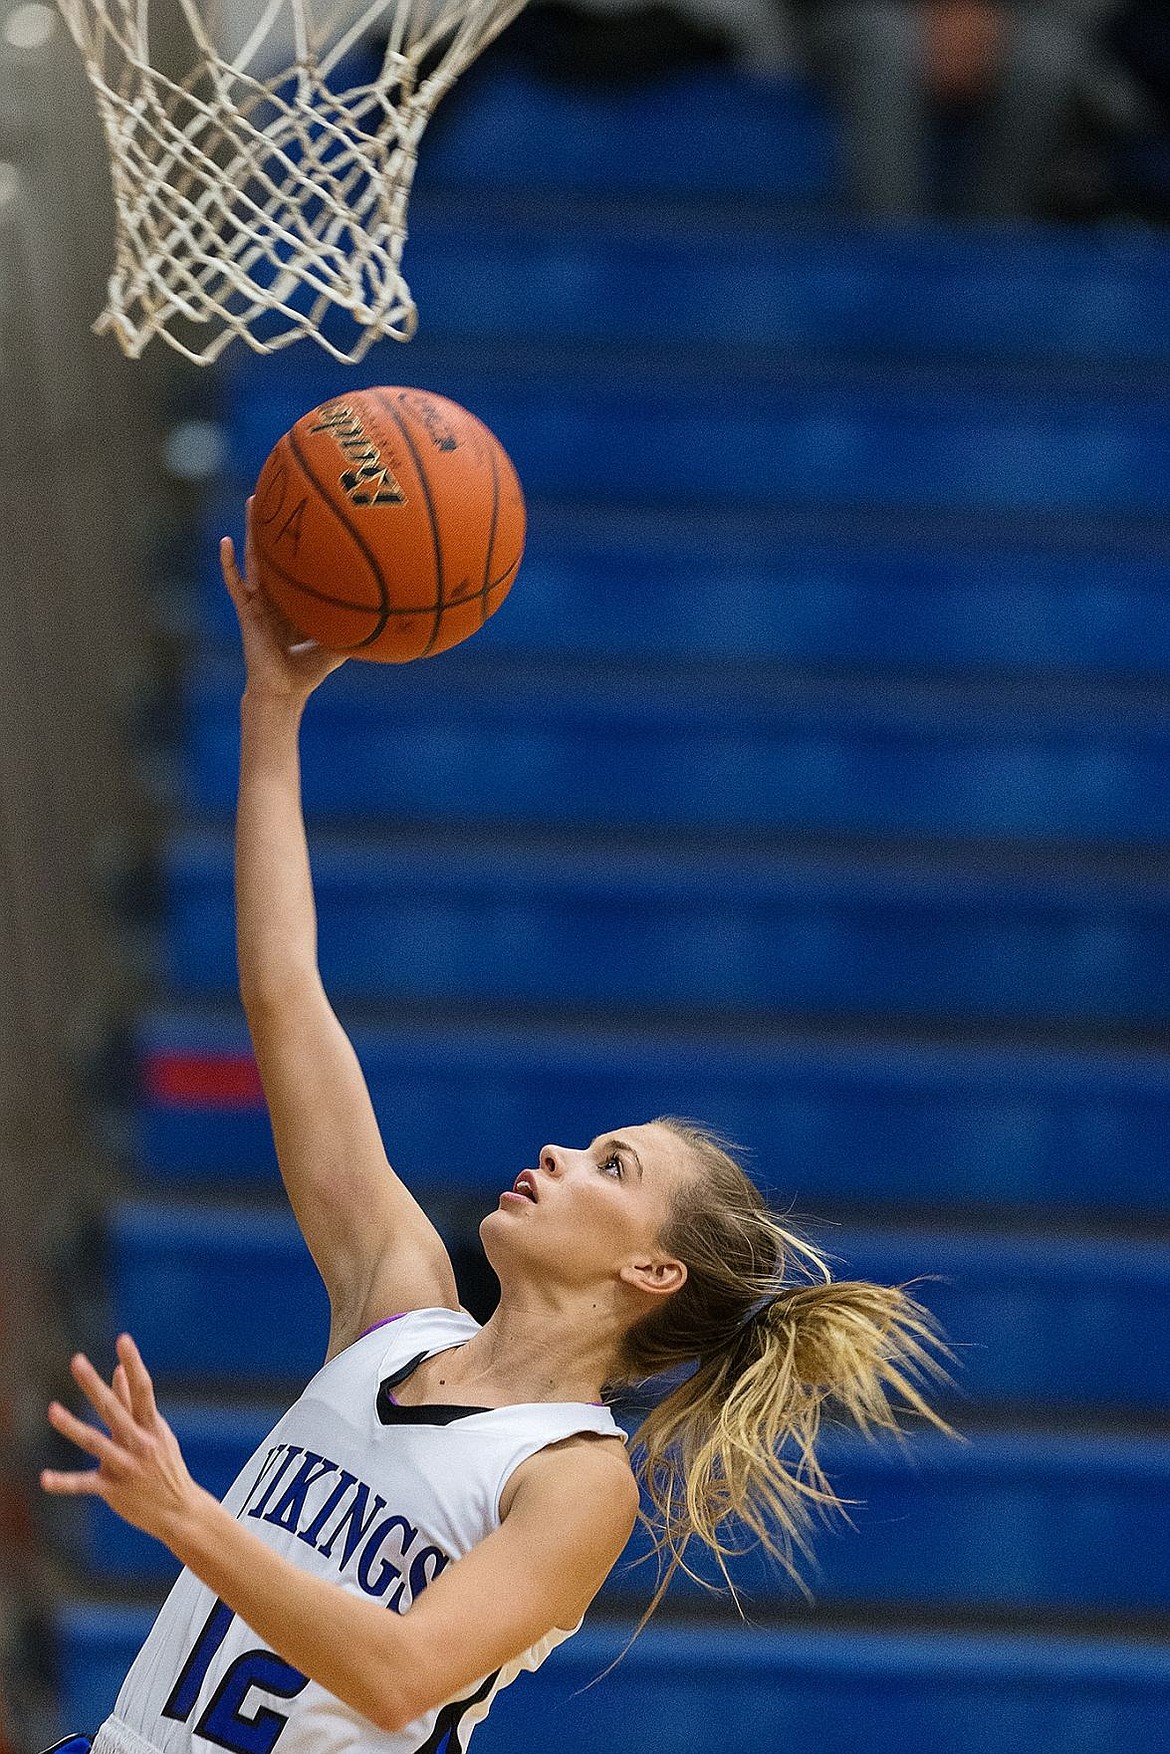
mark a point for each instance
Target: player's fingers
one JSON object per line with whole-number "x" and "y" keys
{"x": 87, "y": 1437}
{"x": 228, "y": 565}
{"x": 72, "y": 1485}
{"x": 104, "y": 1401}
{"x": 241, "y": 585}
{"x": 122, "y": 1388}
{"x": 141, "y": 1387}
{"x": 249, "y": 545}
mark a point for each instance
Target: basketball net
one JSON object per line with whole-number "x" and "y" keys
{"x": 251, "y": 202}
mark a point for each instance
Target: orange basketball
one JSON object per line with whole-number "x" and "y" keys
{"x": 388, "y": 523}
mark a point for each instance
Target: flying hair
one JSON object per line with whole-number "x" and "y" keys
{"x": 777, "y": 1345}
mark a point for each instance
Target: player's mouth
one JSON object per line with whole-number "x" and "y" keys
{"x": 523, "y": 1188}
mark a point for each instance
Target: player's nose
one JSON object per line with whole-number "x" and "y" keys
{"x": 551, "y": 1160}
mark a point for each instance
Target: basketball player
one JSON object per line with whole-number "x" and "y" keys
{"x": 439, "y": 1508}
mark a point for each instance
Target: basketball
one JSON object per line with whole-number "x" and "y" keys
{"x": 388, "y": 524}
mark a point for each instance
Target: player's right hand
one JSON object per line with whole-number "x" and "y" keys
{"x": 140, "y": 1469}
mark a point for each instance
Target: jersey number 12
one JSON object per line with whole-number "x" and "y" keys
{"x": 223, "y": 1721}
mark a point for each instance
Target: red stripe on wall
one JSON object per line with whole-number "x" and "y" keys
{"x": 183, "y": 1080}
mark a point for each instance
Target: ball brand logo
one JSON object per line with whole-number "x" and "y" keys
{"x": 369, "y": 481}
{"x": 438, "y": 430}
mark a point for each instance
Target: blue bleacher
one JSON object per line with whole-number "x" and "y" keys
{"x": 466, "y": 1105}
{"x": 750, "y": 933}
{"x": 505, "y": 130}
{"x": 1004, "y": 1521}
{"x": 479, "y": 741}
{"x": 702, "y": 1688}
{"x": 512, "y": 271}
{"x": 811, "y": 435}
{"x": 699, "y": 1691}
{"x": 214, "y": 1293}
{"x": 664, "y": 588}
{"x": 211, "y": 1293}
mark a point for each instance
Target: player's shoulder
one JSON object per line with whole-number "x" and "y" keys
{"x": 588, "y": 1467}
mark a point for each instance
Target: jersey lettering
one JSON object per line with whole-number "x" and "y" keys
{"x": 419, "y": 1575}
{"x": 355, "y": 1529}
{"x": 289, "y": 1509}
{"x": 344, "y": 1520}
{"x": 326, "y": 1511}
{"x": 377, "y": 1586}
{"x": 185, "y": 1692}
{"x": 226, "y": 1723}
{"x": 291, "y": 1450}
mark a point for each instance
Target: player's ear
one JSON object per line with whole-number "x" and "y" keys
{"x": 662, "y": 1275}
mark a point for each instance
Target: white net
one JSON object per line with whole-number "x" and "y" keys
{"x": 262, "y": 205}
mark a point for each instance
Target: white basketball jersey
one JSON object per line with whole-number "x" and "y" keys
{"x": 378, "y": 1498}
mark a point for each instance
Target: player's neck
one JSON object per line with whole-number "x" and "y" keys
{"x": 527, "y": 1352}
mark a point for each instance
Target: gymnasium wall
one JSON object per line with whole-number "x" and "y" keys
{"x": 76, "y": 466}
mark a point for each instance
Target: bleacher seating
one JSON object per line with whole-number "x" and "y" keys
{"x": 837, "y": 592}
{"x": 210, "y": 1293}
{"x": 945, "y": 1124}
{"x": 700, "y": 1688}
{"x": 815, "y": 434}
{"x": 493, "y": 742}
{"x": 214, "y": 1294}
{"x": 853, "y": 932}
{"x": 847, "y": 562}
{"x": 774, "y": 141}
{"x": 1009, "y": 1520}
{"x": 516, "y": 271}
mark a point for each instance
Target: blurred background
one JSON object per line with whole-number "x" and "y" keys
{"x": 812, "y": 781}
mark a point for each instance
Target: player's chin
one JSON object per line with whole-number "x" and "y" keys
{"x": 518, "y": 1229}
{"x": 514, "y": 1244}
{"x": 503, "y": 1220}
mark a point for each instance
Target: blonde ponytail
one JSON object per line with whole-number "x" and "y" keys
{"x": 773, "y": 1356}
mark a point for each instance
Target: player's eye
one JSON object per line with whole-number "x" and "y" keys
{"x": 613, "y": 1159}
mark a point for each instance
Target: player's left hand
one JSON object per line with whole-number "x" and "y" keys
{"x": 276, "y": 659}
{"x": 140, "y": 1473}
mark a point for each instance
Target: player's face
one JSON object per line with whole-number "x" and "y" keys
{"x": 581, "y": 1212}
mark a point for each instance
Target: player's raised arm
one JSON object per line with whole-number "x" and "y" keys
{"x": 375, "y": 1248}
